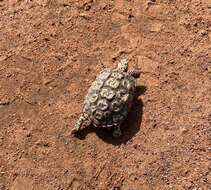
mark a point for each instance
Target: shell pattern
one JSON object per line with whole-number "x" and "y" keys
{"x": 109, "y": 98}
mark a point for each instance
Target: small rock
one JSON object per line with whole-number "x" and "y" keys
{"x": 135, "y": 146}
{"x": 209, "y": 6}
{"x": 203, "y": 32}
{"x": 28, "y": 134}
{"x": 85, "y": 16}
{"x": 2, "y": 173}
{"x": 183, "y": 130}
{"x": 156, "y": 27}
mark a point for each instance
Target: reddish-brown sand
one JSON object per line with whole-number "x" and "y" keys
{"x": 51, "y": 51}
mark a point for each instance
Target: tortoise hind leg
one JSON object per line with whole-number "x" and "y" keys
{"x": 117, "y": 132}
{"x": 82, "y": 121}
{"x": 135, "y": 73}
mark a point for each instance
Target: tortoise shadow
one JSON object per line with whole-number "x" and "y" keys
{"x": 129, "y": 128}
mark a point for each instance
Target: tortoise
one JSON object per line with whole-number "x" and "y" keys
{"x": 109, "y": 99}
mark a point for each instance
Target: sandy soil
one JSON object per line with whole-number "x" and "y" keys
{"x": 51, "y": 51}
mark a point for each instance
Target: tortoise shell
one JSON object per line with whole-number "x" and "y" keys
{"x": 109, "y": 98}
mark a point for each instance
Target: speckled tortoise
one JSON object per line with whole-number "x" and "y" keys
{"x": 109, "y": 99}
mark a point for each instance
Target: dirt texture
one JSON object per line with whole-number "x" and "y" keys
{"x": 51, "y": 51}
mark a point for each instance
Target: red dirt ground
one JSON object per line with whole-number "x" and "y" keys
{"x": 51, "y": 51}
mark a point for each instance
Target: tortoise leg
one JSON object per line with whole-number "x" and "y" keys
{"x": 82, "y": 121}
{"x": 135, "y": 73}
{"x": 117, "y": 132}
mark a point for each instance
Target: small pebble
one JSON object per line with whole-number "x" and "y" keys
{"x": 202, "y": 32}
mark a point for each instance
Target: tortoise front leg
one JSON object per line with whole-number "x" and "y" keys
{"x": 135, "y": 73}
{"x": 82, "y": 121}
{"x": 117, "y": 132}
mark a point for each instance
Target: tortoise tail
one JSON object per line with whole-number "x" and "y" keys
{"x": 82, "y": 121}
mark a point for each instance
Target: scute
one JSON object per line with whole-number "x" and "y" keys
{"x": 98, "y": 115}
{"x": 126, "y": 83}
{"x": 112, "y": 82}
{"x": 97, "y": 84}
{"x": 116, "y": 106}
{"x": 107, "y": 93}
{"x": 125, "y": 98}
{"x": 117, "y": 75}
{"x": 93, "y": 98}
{"x": 103, "y": 104}
{"x": 107, "y": 114}
{"x": 93, "y": 108}
{"x": 121, "y": 92}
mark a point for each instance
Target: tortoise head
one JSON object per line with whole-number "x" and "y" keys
{"x": 123, "y": 65}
